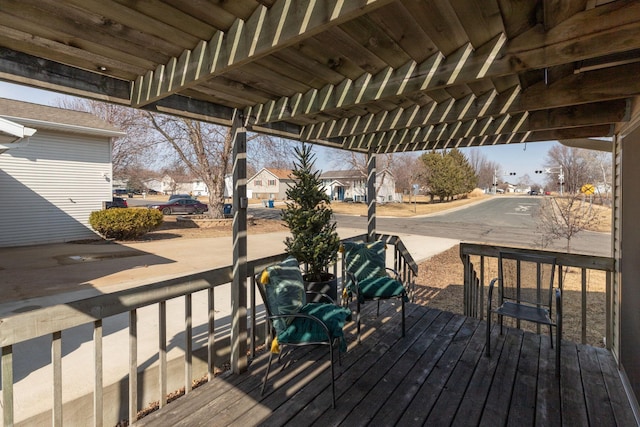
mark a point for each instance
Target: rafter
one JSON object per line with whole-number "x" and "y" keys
{"x": 266, "y": 31}
{"x": 511, "y": 138}
{"x": 568, "y": 42}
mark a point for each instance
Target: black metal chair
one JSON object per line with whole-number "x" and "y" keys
{"x": 368, "y": 278}
{"x": 526, "y": 293}
{"x": 293, "y": 321}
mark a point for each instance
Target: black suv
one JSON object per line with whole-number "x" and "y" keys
{"x": 117, "y": 202}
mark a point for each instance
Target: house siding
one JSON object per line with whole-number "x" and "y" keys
{"x": 277, "y": 190}
{"x": 57, "y": 180}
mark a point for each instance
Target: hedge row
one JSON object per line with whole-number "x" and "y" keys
{"x": 125, "y": 224}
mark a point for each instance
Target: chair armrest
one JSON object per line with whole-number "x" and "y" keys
{"x": 395, "y": 274}
{"x": 490, "y": 294}
{"x": 305, "y": 316}
{"x": 322, "y": 296}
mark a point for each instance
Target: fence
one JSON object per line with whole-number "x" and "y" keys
{"x": 134, "y": 387}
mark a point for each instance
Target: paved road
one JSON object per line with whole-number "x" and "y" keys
{"x": 500, "y": 220}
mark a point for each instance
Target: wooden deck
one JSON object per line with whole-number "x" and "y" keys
{"x": 437, "y": 375}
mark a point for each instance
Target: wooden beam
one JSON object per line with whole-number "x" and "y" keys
{"x": 266, "y": 31}
{"x": 41, "y": 73}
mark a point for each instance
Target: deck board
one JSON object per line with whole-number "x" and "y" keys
{"x": 437, "y": 374}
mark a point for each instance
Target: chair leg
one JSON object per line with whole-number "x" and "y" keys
{"x": 558, "y": 349}
{"x": 551, "y": 335}
{"x": 402, "y": 299}
{"x": 488, "y": 343}
{"x": 378, "y": 310}
{"x": 358, "y": 320}
{"x": 333, "y": 386}
{"x": 266, "y": 374}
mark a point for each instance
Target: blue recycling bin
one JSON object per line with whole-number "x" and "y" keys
{"x": 270, "y": 203}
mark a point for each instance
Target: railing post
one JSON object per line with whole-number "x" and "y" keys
{"x": 7, "y": 385}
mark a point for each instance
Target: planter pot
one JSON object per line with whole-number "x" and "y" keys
{"x": 328, "y": 285}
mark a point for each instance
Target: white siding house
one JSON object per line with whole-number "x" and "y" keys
{"x": 270, "y": 184}
{"x": 51, "y": 185}
{"x": 351, "y": 184}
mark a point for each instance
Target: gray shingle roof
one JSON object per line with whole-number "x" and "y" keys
{"x": 12, "y": 109}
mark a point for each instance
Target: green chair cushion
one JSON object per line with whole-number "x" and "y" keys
{"x": 365, "y": 260}
{"x": 381, "y": 287}
{"x": 285, "y": 291}
{"x": 303, "y": 330}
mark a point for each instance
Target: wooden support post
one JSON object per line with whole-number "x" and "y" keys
{"x": 239, "y": 283}
{"x": 371, "y": 196}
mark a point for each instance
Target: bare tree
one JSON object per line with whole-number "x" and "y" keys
{"x": 484, "y": 168}
{"x": 269, "y": 152}
{"x": 203, "y": 148}
{"x": 406, "y": 169}
{"x": 562, "y": 218}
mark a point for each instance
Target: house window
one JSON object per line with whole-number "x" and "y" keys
{"x": 271, "y": 183}
{"x": 257, "y": 182}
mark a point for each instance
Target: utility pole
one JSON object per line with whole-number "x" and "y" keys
{"x": 555, "y": 169}
{"x": 495, "y": 178}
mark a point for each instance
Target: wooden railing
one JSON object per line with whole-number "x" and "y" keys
{"x": 480, "y": 266}
{"x": 55, "y": 320}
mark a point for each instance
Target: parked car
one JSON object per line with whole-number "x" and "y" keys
{"x": 117, "y": 202}
{"x": 120, "y": 192}
{"x": 533, "y": 193}
{"x": 181, "y": 206}
{"x": 181, "y": 196}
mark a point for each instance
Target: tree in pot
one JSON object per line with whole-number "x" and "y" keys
{"x": 314, "y": 241}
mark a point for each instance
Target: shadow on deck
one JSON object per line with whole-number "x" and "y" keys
{"x": 436, "y": 375}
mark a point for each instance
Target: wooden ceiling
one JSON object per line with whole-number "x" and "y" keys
{"x": 381, "y": 75}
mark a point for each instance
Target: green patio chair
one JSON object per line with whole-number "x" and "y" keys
{"x": 368, "y": 278}
{"x": 294, "y": 322}
{"x": 526, "y": 293}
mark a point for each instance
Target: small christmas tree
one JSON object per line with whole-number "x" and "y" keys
{"x": 308, "y": 214}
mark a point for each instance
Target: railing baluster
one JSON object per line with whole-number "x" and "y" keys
{"x": 133, "y": 365}
{"x": 188, "y": 346}
{"x": 98, "y": 374}
{"x": 608, "y": 311}
{"x": 162, "y": 352}
{"x": 56, "y": 362}
{"x": 211, "y": 330}
{"x": 482, "y": 282}
{"x": 7, "y": 385}
{"x": 584, "y": 305}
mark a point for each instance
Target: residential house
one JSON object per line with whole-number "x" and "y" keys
{"x": 271, "y": 184}
{"x": 352, "y": 184}
{"x": 53, "y": 183}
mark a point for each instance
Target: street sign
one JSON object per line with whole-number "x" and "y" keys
{"x": 588, "y": 189}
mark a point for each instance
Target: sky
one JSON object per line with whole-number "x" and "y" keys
{"x": 520, "y": 159}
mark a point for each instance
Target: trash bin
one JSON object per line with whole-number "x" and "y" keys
{"x": 270, "y": 203}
